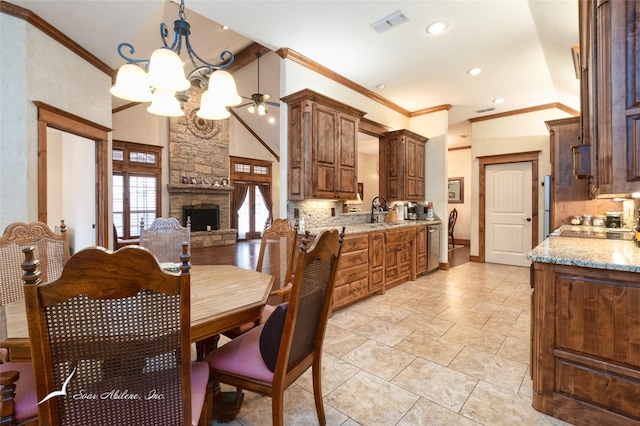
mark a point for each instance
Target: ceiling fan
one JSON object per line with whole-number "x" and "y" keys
{"x": 259, "y": 101}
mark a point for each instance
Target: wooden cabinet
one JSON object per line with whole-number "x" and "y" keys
{"x": 402, "y": 166}
{"x": 352, "y": 280}
{"x": 323, "y": 154}
{"x": 609, "y": 40}
{"x": 421, "y": 249}
{"x": 400, "y": 255}
{"x": 584, "y": 344}
{"x": 376, "y": 262}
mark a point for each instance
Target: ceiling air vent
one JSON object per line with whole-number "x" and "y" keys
{"x": 479, "y": 111}
{"x": 396, "y": 18}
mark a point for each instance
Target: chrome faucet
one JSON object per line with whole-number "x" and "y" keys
{"x": 375, "y": 204}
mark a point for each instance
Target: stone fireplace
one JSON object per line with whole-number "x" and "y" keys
{"x": 198, "y": 163}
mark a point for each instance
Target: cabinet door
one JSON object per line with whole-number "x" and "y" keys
{"x": 347, "y": 156}
{"x": 323, "y": 164}
{"x": 376, "y": 261}
{"x": 421, "y": 249}
{"x": 296, "y": 152}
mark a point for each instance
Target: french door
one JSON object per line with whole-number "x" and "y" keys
{"x": 252, "y": 214}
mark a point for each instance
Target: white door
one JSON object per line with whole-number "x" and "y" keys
{"x": 508, "y": 213}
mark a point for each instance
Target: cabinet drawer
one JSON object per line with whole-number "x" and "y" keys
{"x": 354, "y": 243}
{"x": 396, "y": 237}
{"x": 348, "y": 260}
{"x": 345, "y": 275}
{"x": 349, "y": 292}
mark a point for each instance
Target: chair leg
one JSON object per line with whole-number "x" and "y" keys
{"x": 317, "y": 393}
{"x": 277, "y": 409}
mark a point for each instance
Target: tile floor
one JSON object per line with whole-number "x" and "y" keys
{"x": 451, "y": 348}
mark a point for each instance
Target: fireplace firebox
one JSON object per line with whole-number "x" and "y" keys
{"x": 202, "y": 216}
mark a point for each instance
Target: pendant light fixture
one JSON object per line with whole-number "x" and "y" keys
{"x": 161, "y": 79}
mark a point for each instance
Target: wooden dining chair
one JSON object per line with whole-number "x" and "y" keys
{"x": 270, "y": 357}
{"x": 17, "y": 383}
{"x": 276, "y": 257}
{"x": 110, "y": 341}
{"x": 164, "y": 237}
{"x": 453, "y": 217}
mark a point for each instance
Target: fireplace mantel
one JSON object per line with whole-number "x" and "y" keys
{"x": 198, "y": 189}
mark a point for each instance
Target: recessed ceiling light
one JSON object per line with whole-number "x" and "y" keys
{"x": 474, "y": 71}
{"x": 498, "y": 100}
{"x": 437, "y": 27}
{"x": 224, "y": 27}
{"x": 382, "y": 86}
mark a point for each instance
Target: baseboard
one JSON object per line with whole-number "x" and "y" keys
{"x": 475, "y": 259}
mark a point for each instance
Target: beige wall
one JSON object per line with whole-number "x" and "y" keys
{"x": 36, "y": 68}
{"x": 516, "y": 133}
{"x": 368, "y": 175}
{"x": 460, "y": 166}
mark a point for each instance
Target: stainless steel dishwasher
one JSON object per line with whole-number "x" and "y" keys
{"x": 433, "y": 247}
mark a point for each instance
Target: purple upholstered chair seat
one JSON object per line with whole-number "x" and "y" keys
{"x": 199, "y": 379}
{"x": 241, "y": 356}
{"x": 26, "y": 399}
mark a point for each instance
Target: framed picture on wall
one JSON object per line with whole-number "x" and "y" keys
{"x": 456, "y": 190}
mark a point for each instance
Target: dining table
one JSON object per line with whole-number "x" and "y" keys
{"x": 222, "y": 297}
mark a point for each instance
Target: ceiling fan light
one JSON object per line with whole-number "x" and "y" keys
{"x": 131, "y": 84}
{"x": 164, "y": 103}
{"x": 251, "y": 109}
{"x": 262, "y": 110}
{"x": 212, "y": 109}
{"x": 223, "y": 86}
{"x": 166, "y": 71}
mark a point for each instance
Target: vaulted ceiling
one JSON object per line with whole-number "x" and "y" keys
{"x": 522, "y": 46}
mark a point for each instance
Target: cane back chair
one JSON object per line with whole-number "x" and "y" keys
{"x": 164, "y": 237}
{"x": 110, "y": 341}
{"x": 270, "y": 357}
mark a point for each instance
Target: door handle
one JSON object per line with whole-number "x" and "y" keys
{"x": 528, "y": 219}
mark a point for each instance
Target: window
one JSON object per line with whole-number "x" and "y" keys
{"x": 137, "y": 173}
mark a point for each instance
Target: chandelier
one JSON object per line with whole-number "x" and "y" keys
{"x": 161, "y": 79}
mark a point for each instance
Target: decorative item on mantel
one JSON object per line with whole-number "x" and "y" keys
{"x": 166, "y": 76}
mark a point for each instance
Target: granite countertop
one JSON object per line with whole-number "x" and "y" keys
{"x": 372, "y": 227}
{"x": 615, "y": 254}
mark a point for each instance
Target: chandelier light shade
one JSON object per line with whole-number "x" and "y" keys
{"x": 210, "y": 109}
{"x": 163, "y": 75}
{"x": 164, "y": 103}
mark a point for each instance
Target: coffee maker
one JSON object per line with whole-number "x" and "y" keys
{"x": 412, "y": 212}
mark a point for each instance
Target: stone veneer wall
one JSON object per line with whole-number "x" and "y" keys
{"x": 318, "y": 213}
{"x": 199, "y": 149}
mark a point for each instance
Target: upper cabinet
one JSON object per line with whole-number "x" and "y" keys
{"x": 402, "y": 166}
{"x": 610, "y": 91}
{"x": 323, "y": 147}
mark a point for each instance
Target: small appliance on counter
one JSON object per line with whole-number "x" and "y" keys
{"x": 613, "y": 219}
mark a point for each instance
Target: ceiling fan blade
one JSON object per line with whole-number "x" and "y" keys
{"x": 275, "y": 104}
{"x": 244, "y": 105}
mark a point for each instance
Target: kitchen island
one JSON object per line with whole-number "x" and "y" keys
{"x": 585, "y": 330}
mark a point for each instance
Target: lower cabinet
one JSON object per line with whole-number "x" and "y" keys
{"x": 371, "y": 262}
{"x": 421, "y": 249}
{"x": 352, "y": 280}
{"x": 400, "y": 256}
{"x": 585, "y": 349}
{"x": 376, "y": 262}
